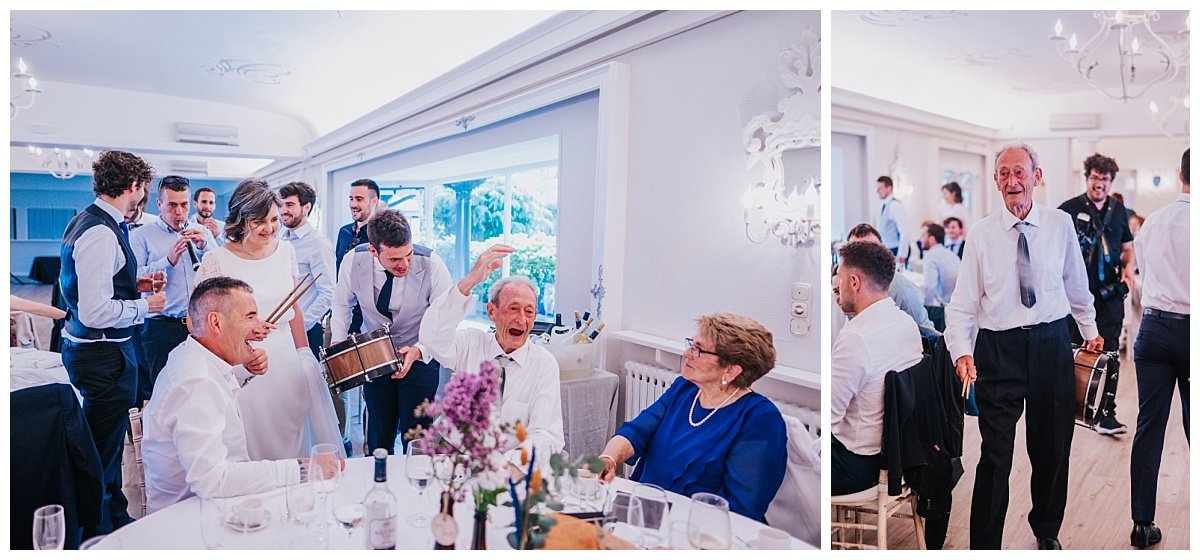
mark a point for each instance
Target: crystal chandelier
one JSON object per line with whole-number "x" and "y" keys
{"x": 1124, "y": 51}
{"x": 63, "y": 163}
{"x": 28, "y": 88}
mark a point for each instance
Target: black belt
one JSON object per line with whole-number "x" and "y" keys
{"x": 1151, "y": 312}
{"x": 1029, "y": 327}
{"x": 172, "y": 320}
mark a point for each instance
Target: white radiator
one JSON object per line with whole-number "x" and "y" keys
{"x": 644, "y": 383}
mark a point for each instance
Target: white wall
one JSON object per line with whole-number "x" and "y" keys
{"x": 686, "y": 250}
{"x": 1140, "y": 160}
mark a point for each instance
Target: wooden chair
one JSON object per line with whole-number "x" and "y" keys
{"x": 848, "y": 513}
{"x": 135, "y": 477}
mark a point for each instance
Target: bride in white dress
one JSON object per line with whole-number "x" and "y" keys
{"x": 287, "y": 409}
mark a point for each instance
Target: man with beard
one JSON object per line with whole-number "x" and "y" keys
{"x": 956, "y": 235}
{"x": 1021, "y": 275}
{"x": 99, "y": 285}
{"x": 174, "y": 245}
{"x": 364, "y": 201}
{"x": 393, "y": 281}
{"x": 1102, "y": 226}
{"x": 529, "y": 376}
{"x": 205, "y": 200}
{"x": 314, "y": 254}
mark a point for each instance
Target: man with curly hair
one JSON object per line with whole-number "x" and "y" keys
{"x": 99, "y": 285}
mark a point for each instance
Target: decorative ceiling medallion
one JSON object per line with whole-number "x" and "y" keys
{"x": 995, "y": 57}
{"x": 899, "y": 18}
{"x": 25, "y": 35}
{"x": 257, "y": 72}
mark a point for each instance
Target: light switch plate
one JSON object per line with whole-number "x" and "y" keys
{"x": 800, "y": 309}
{"x": 800, "y": 326}
{"x": 801, "y": 291}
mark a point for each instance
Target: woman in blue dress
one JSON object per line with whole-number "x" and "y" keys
{"x": 709, "y": 432}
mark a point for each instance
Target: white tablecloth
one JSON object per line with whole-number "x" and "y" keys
{"x": 178, "y": 528}
{"x": 29, "y": 367}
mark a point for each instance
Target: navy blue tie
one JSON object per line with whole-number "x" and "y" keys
{"x": 382, "y": 304}
{"x": 125, "y": 230}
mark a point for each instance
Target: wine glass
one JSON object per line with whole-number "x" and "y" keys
{"x": 656, "y": 515}
{"x": 158, "y": 277}
{"x": 623, "y": 518}
{"x": 324, "y": 470}
{"x": 348, "y": 508}
{"x": 708, "y": 522}
{"x": 212, "y": 524}
{"x": 49, "y": 528}
{"x": 418, "y": 467}
{"x": 302, "y": 500}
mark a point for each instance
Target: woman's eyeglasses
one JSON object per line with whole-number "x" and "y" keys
{"x": 690, "y": 346}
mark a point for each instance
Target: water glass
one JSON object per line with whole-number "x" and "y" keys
{"x": 708, "y": 522}
{"x": 302, "y": 501}
{"x": 324, "y": 470}
{"x": 656, "y": 515}
{"x": 623, "y": 518}
{"x": 418, "y": 467}
{"x": 49, "y": 528}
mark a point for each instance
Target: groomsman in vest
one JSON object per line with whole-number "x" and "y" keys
{"x": 99, "y": 286}
{"x": 891, "y": 222}
{"x": 393, "y": 281}
{"x": 205, "y": 200}
{"x": 1021, "y": 276}
{"x": 163, "y": 245}
{"x": 956, "y": 235}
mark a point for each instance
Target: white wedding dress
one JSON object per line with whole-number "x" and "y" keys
{"x": 287, "y": 409}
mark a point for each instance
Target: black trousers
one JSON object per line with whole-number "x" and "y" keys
{"x": 159, "y": 338}
{"x": 1110, "y": 317}
{"x": 937, "y": 316}
{"x": 106, "y": 375}
{"x": 390, "y": 404}
{"x": 1161, "y": 353}
{"x": 851, "y": 472}
{"x": 1029, "y": 369}
{"x": 145, "y": 382}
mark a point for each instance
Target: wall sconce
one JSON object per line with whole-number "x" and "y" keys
{"x": 794, "y": 217}
{"x": 771, "y": 208}
{"x": 28, "y": 92}
{"x": 63, "y": 163}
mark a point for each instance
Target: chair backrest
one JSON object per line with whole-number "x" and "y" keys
{"x": 137, "y": 475}
{"x": 796, "y": 507}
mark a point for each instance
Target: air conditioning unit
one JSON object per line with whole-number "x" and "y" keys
{"x": 189, "y": 168}
{"x": 214, "y": 134}
{"x": 1080, "y": 121}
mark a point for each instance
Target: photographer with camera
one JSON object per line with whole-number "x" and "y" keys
{"x": 1102, "y": 225}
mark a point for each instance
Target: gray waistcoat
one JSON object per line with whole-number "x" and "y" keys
{"x": 418, "y": 288}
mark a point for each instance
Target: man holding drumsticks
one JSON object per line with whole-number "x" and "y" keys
{"x": 1023, "y": 346}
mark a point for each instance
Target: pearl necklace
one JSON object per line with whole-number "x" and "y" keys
{"x": 692, "y": 411}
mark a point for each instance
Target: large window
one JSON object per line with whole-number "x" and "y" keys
{"x": 462, "y": 206}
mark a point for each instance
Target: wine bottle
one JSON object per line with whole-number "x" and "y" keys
{"x": 595, "y": 333}
{"x": 578, "y": 320}
{"x": 380, "y": 504}
{"x": 445, "y": 529}
{"x": 574, "y": 336}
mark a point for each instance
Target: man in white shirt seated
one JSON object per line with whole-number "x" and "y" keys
{"x": 194, "y": 442}
{"x": 881, "y": 338}
{"x": 529, "y": 377}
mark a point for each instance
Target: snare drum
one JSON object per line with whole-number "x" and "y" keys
{"x": 359, "y": 359}
{"x": 1095, "y": 385}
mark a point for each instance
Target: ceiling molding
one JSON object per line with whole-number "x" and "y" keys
{"x": 853, "y": 106}
{"x": 901, "y": 18}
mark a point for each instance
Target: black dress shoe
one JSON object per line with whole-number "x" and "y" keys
{"x": 1145, "y": 535}
{"x": 1048, "y": 543}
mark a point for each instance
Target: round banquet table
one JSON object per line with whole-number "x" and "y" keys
{"x": 177, "y": 527}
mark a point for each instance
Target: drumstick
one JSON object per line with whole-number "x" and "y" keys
{"x": 966, "y": 386}
{"x": 295, "y": 298}
{"x": 286, "y": 298}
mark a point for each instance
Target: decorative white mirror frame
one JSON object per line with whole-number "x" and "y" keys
{"x": 772, "y": 208}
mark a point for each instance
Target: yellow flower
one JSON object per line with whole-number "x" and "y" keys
{"x": 524, "y": 456}
{"x": 521, "y": 433}
{"x": 535, "y": 481}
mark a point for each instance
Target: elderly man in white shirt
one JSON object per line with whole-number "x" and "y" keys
{"x": 881, "y": 338}
{"x": 529, "y": 376}
{"x": 1161, "y": 352}
{"x": 194, "y": 442}
{"x": 1021, "y": 274}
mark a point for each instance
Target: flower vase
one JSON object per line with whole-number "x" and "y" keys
{"x": 479, "y": 535}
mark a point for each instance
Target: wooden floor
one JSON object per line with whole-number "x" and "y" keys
{"x": 1097, "y": 515}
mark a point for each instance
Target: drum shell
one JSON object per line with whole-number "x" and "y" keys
{"x": 360, "y": 359}
{"x": 1095, "y": 385}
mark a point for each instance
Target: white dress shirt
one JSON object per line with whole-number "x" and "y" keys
{"x": 956, "y": 210}
{"x": 941, "y": 272}
{"x": 220, "y": 236}
{"x": 344, "y": 298}
{"x": 891, "y": 224}
{"x": 531, "y": 387}
{"x": 1161, "y": 249}
{"x": 881, "y": 338}
{"x": 194, "y": 441}
{"x": 98, "y": 257}
{"x": 314, "y": 254}
{"x": 987, "y": 293}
